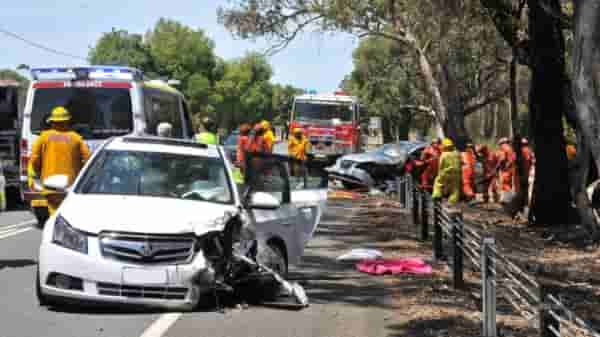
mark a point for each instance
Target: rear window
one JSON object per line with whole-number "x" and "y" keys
{"x": 97, "y": 113}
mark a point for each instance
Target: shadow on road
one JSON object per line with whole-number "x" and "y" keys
{"x": 18, "y": 263}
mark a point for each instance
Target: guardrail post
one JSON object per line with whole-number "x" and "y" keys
{"x": 437, "y": 230}
{"x": 547, "y": 321}
{"x": 415, "y": 203}
{"x": 401, "y": 190}
{"x": 457, "y": 250}
{"x": 488, "y": 288}
{"x": 424, "y": 216}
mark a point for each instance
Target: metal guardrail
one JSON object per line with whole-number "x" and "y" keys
{"x": 526, "y": 296}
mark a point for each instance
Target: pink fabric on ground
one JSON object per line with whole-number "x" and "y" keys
{"x": 394, "y": 266}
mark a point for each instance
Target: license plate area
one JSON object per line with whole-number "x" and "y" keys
{"x": 145, "y": 276}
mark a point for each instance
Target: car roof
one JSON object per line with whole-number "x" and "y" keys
{"x": 162, "y": 145}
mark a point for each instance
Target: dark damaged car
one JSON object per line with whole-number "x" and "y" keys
{"x": 377, "y": 167}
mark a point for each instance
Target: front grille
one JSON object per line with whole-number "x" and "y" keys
{"x": 147, "y": 249}
{"x": 165, "y": 293}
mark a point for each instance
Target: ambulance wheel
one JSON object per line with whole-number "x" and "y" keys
{"x": 42, "y": 215}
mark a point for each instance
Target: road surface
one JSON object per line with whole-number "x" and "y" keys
{"x": 343, "y": 302}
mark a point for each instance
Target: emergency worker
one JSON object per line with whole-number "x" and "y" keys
{"x": 243, "y": 145}
{"x": 57, "y": 151}
{"x": 468, "y": 161}
{"x": 447, "y": 182}
{"x": 257, "y": 142}
{"x": 268, "y": 136}
{"x": 507, "y": 167}
{"x": 298, "y": 144}
{"x": 571, "y": 151}
{"x": 430, "y": 159}
{"x": 209, "y": 135}
{"x": 528, "y": 156}
{"x": 490, "y": 163}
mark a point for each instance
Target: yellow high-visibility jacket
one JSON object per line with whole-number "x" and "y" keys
{"x": 58, "y": 153}
{"x": 298, "y": 148}
{"x": 448, "y": 181}
{"x": 269, "y": 138}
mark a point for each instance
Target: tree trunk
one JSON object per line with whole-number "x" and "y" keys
{"x": 551, "y": 195}
{"x": 495, "y": 123}
{"x": 586, "y": 62}
{"x": 515, "y": 134}
{"x": 439, "y": 106}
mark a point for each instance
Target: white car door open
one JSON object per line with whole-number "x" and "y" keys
{"x": 268, "y": 174}
{"x": 308, "y": 182}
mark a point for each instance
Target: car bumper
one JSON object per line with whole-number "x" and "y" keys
{"x": 104, "y": 280}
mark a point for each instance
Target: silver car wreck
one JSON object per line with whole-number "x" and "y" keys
{"x": 375, "y": 168}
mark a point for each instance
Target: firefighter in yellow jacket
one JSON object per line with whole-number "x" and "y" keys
{"x": 269, "y": 136}
{"x": 298, "y": 145}
{"x": 448, "y": 181}
{"x": 57, "y": 151}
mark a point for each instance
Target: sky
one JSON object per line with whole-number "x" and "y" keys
{"x": 313, "y": 61}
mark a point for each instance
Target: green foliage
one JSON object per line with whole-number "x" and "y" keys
{"x": 233, "y": 91}
{"x": 244, "y": 93}
{"x": 119, "y": 47}
{"x": 387, "y": 85}
{"x": 9, "y": 74}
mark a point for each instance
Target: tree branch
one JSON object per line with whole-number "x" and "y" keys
{"x": 489, "y": 100}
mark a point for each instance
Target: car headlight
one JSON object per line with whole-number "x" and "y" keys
{"x": 68, "y": 237}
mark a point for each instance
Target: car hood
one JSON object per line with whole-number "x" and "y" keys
{"x": 376, "y": 157}
{"x": 136, "y": 214}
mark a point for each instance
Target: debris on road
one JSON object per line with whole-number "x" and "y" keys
{"x": 360, "y": 254}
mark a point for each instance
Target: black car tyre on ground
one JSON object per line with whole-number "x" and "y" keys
{"x": 41, "y": 214}
{"x": 266, "y": 288}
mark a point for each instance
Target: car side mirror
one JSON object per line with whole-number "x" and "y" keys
{"x": 263, "y": 200}
{"x": 58, "y": 183}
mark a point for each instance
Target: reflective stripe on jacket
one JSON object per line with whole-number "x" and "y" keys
{"x": 206, "y": 138}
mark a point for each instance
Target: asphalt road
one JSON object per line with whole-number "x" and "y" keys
{"x": 343, "y": 302}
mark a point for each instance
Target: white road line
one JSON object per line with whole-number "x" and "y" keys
{"x": 21, "y": 224}
{"x": 8, "y": 234}
{"x": 161, "y": 325}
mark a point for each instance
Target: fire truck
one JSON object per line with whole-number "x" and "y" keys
{"x": 330, "y": 121}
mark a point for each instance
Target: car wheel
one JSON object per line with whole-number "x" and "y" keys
{"x": 41, "y": 214}
{"x": 272, "y": 256}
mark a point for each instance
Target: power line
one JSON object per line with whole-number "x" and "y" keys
{"x": 37, "y": 45}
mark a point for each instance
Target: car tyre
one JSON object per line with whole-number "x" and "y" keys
{"x": 41, "y": 214}
{"x": 268, "y": 289}
{"x": 272, "y": 256}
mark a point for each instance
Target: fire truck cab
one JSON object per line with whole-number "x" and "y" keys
{"x": 330, "y": 121}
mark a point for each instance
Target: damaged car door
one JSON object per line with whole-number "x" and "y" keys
{"x": 309, "y": 181}
{"x": 275, "y": 226}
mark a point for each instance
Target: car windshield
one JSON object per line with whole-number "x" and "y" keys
{"x": 158, "y": 175}
{"x": 310, "y": 111}
{"x": 396, "y": 150}
{"x": 97, "y": 113}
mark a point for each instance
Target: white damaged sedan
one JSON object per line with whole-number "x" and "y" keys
{"x": 144, "y": 221}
